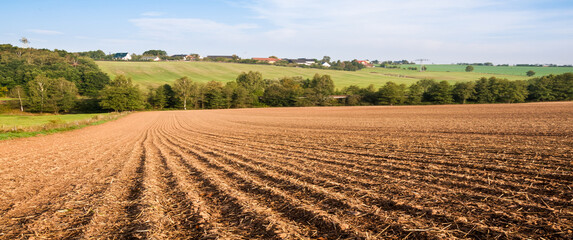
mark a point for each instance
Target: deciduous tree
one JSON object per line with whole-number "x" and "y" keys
{"x": 392, "y": 93}
{"x": 186, "y": 90}
{"x": 463, "y": 91}
{"x": 18, "y": 92}
{"x": 441, "y": 93}
{"x": 321, "y": 87}
{"x": 530, "y": 73}
{"x": 121, "y": 95}
{"x": 49, "y": 94}
{"x": 254, "y": 84}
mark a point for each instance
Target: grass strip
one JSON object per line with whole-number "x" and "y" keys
{"x": 52, "y": 128}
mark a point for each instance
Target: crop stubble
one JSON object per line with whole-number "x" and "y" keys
{"x": 477, "y": 171}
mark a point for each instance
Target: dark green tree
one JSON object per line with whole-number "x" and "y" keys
{"x": 415, "y": 94}
{"x": 49, "y": 94}
{"x": 213, "y": 95}
{"x": 369, "y": 95}
{"x": 353, "y": 93}
{"x": 469, "y": 68}
{"x": 551, "y": 88}
{"x": 392, "y": 93}
{"x": 38, "y": 92}
{"x": 121, "y": 95}
{"x": 157, "y": 98}
{"x": 321, "y": 87}
{"x": 483, "y": 93}
{"x": 171, "y": 97}
{"x": 283, "y": 93}
{"x": 530, "y": 73}
{"x": 239, "y": 97}
{"x": 158, "y": 53}
{"x": 562, "y": 86}
{"x": 254, "y": 84}
{"x": 516, "y": 92}
{"x": 463, "y": 91}
{"x": 441, "y": 93}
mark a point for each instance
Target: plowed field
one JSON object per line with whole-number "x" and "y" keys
{"x": 416, "y": 172}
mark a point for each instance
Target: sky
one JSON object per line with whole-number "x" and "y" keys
{"x": 442, "y": 31}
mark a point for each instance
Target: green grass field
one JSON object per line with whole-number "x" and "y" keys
{"x": 158, "y": 73}
{"x": 20, "y": 126}
{"x": 503, "y": 70}
{"x": 8, "y": 121}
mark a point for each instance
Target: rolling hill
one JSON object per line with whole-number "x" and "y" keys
{"x": 157, "y": 73}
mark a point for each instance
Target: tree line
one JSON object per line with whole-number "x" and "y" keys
{"x": 484, "y": 90}
{"x": 251, "y": 90}
{"x": 248, "y": 90}
{"x": 50, "y": 81}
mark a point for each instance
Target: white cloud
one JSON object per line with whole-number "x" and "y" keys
{"x": 444, "y": 31}
{"x": 45, "y": 32}
{"x": 177, "y": 28}
{"x": 418, "y": 28}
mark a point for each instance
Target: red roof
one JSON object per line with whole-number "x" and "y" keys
{"x": 365, "y": 63}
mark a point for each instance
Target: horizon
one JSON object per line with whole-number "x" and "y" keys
{"x": 445, "y": 32}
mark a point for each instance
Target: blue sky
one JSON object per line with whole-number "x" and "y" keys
{"x": 446, "y": 31}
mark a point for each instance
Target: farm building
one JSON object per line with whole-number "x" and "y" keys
{"x": 366, "y": 63}
{"x": 122, "y": 56}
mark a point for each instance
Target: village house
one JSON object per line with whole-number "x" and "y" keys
{"x": 122, "y": 56}
{"x": 366, "y": 63}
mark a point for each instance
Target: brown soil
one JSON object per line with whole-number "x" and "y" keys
{"x": 416, "y": 172}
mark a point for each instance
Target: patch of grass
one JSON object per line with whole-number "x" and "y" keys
{"x": 18, "y": 126}
{"x": 19, "y": 121}
{"x": 158, "y": 73}
{"x": 504, "y": 70}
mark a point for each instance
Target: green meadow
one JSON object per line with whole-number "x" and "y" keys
{"x": 158, "y": 73}
{"x": 8, "y": 121}
{"x": 503, "y": 70}
{"x": 29, "y": 125}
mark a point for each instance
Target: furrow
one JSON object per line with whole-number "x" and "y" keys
{"x": 227, "y": 213}
{"x": 500, "y": 223}
{"x": 116, "y": 216}
{"x": 43, "y": 215}
{"x": 250, "y": 183}
{"x": 255, "y": 208}
{"x": 422, "y": 172}
{"x": 170, "y": 213}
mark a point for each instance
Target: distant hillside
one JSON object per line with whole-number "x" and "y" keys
{"x": 157, "y": 73}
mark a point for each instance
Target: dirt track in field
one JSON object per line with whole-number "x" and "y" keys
{"x": 416, "y": 172}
